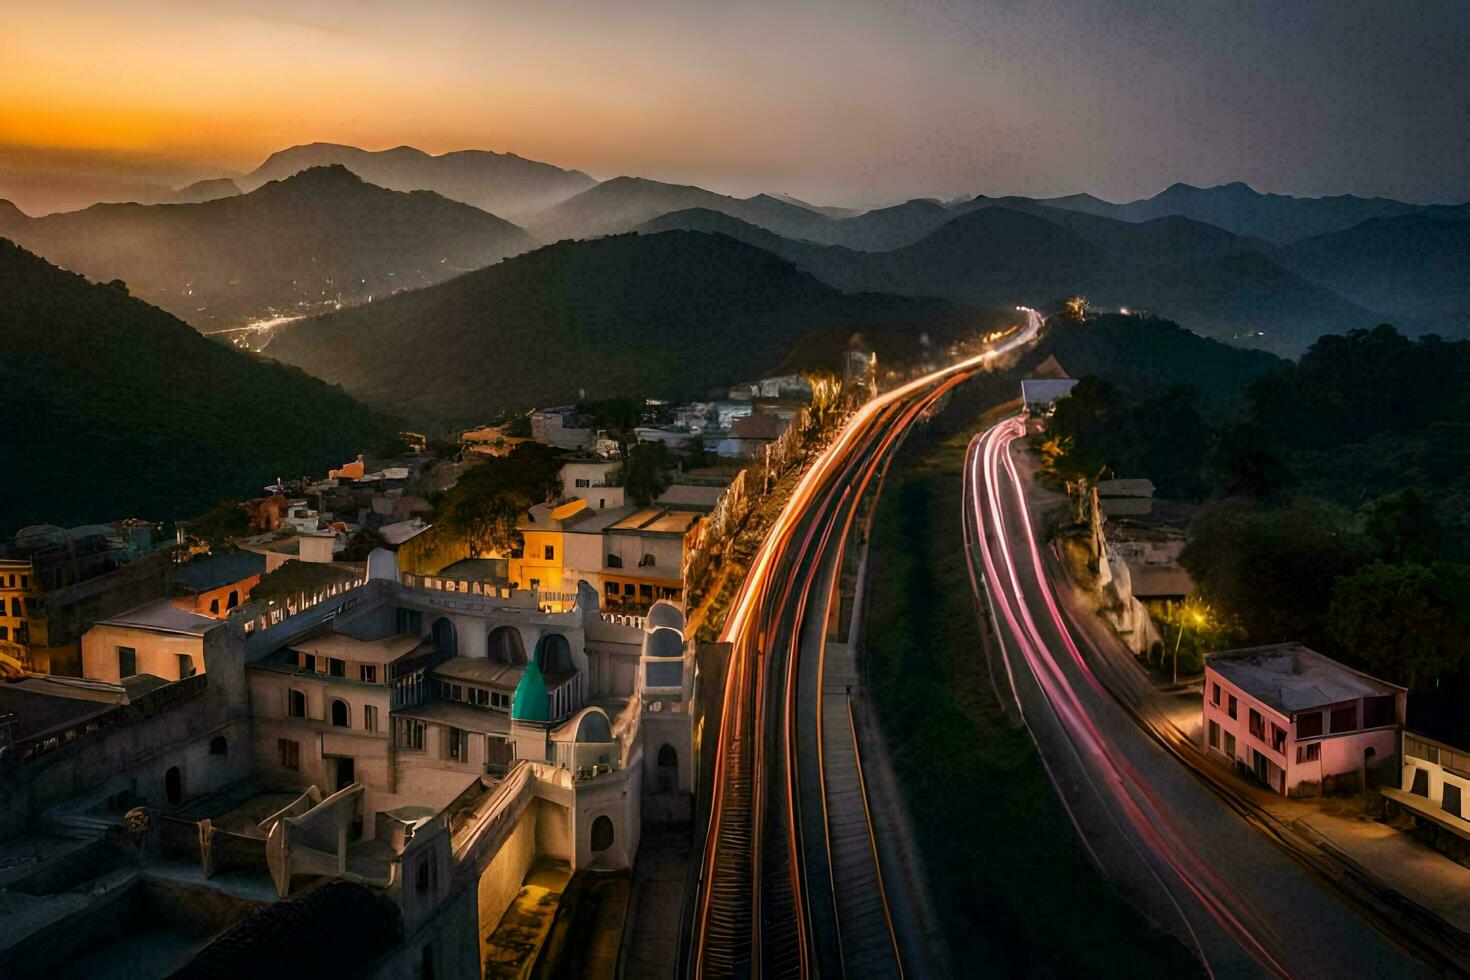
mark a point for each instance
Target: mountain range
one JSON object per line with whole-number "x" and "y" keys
{"x": 1220, "y": 284}
{"x": 113, "y": 408}
{"x": 500, "y": 183}
{"x": 322, "y": 237}
{"x": 672, "y": 315}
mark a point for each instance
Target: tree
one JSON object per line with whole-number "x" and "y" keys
{"x": 221, "y": 525}
{"x": 646, "y": 471}
{"x": 487, "y": 523}
{"x": 1271, "y": 566}
{"x": 1403, "y": 527}
{"x": 1394, "y": 622}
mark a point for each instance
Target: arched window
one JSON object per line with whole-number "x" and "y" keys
{"x": 602, "y": 834}
{"x": 295, "y": 704}
{"x": 668, "y": 769}
{"x": 504, "y": 646}
{"x": 218, "y": 746}
{"x": 339, "y": 713}
{"x": 173, "y": 786}
{"x": 554, "y": 655}
{"x": 668, "y": 757}
{"x": 446, "y": 638}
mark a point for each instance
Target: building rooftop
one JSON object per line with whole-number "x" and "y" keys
{"x": 657, "y": 520}
{"x": 478, "y": 670}
{"x": 693, "y": 497}
{"x": 162, "y": 616}
{"x": 467, "y": 717}
{"x": 343, "y": 647}
{"x": 41, "y": 705}
{"x": 1290, "y": 677}
{"x": 204, "y": 574}
{"x": 1044, "y": 391}
{"x": 595, "y": 520}
{"x": 478, "y": 569}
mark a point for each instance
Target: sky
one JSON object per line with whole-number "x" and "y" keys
{"x": 853, "y": 102}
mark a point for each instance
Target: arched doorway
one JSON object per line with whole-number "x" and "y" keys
{"x": 504, "y": 646}
{"x": 668, "y": 768}
{"x": 173, "y": 785}
{"x": 339, "y": 713}
{"x": 446, "y": 638}
{"x": 602, "y": 834}
{"x": 554, "y": 655}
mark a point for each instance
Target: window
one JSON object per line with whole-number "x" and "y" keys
{"x": 1451, "y": 802}
{"x": 646, "y": 562}
{"x": 1420, "y": 786}
{"x": 336, "y": 668}
{"x": 583, "y": 482}
{"x": 457, "y": 745}
{"x": 423, "y": 878}
{"x": 234, "y": 600}
{"x": 1344, "y": 719}
{"x": 370, "y": 717}
{"x": 1310, "y": 752}
{"x": 410, "y": 734}
{"x": 1309, "y": 725}
{"x": 308, "y": 661}
{"x": 1214, "y": 734}
{"x": 645, "y": 592}
{"x": 218, "y": 746}
{"x": 498, "y": 700}
{"x": 550, "y": 552}
{"x": 535, "y": 584}
{"x": 15, "y": 609}
{"x": 295, "y": 704}
{"x": 1230, "y": 709}
{"x": 614, "y": 561}
{"x": 339, "y": 713}
{"x": 1230, "y": 745}
{"x": 1379, "y": 711}
{"x": 127, "y": 661}
{"x": 4, "y": 632}
{"x": 25, "y": 581}
{"x": 368, "y": 672}
{"x": 186, "y": 666}
{"x": 1278, "y": 738}
{"x": 482, "y": 696}
{"x": 612, "y": 588}
{"x": 290, "y": 754}
{"x": 214, "y": 604}
{"x": 602, "y": 834}
{"x": 628, "y": 588}
{"x": 1215, "y": 694}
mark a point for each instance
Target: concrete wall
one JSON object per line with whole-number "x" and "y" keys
{"x": 157, "y": 653}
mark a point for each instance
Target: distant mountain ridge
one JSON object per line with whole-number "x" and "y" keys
{"x": 1219, "y": 284}
{"x": 500, "y": 183}
{"x": 1239, "y": 208}
{"x": 119, "y": 409}
{"x": 624, "y": 203}
{"x": 323, "y": 236}
{"x": 667, "y": 315}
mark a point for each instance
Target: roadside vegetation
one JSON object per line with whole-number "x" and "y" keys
{"x": 1334, "y": 496}
{"x": 996, "y": 843}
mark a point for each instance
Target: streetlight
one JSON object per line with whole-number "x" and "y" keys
{"x": 1198, "y": 618}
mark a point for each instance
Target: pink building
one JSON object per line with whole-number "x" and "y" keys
{"x": 1301, "y": 723}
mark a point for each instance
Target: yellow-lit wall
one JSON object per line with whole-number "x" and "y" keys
{"x": 201, "y": 603}
{"x": 157, "y": 653}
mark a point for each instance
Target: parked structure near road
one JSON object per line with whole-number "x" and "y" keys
{"x": 1301, "y": 723}
{"x": 1435, "y": 791}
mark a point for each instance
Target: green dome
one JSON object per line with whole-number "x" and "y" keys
{"x": 531, "y": 702}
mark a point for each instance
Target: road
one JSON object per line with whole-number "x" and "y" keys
{"x": 789, "y": 882}
{"x": 1151, "y": 823}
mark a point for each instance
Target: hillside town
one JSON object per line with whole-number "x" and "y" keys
{"x": 340, "y": 686}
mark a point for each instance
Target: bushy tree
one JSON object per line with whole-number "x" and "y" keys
{"x": 1398, "y": 621}
{"x": 647, "y": 471}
